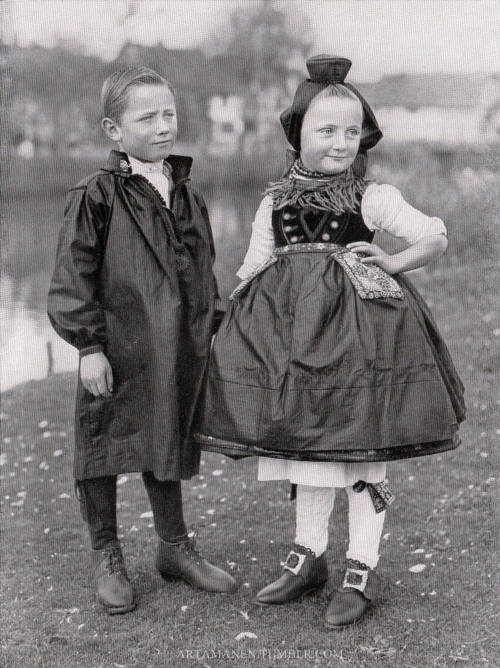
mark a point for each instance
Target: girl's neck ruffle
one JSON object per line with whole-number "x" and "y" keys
{"x": 302, "y": 188}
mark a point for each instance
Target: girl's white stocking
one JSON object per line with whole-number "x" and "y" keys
{"x": 365, "y": 528}
{"x": 314, "y": 507}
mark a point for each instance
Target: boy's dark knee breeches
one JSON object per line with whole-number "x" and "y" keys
{"x": 165, "y": 497}
{"x": 97, "y": 497}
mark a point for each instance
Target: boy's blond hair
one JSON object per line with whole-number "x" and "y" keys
{"x": 114, "y": 92}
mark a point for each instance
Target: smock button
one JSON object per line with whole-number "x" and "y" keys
{"x": 325, "y": 237}
{"x": 287, "y": 216}
{"x": 334, "y": 224}
{"x": 294, "y": 240}
{"x": 288, "y": 228}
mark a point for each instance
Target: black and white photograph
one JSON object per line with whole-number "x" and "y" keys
{"x": 250, "y": 343}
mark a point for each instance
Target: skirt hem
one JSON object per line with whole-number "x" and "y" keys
{"x": 239, "y": 451}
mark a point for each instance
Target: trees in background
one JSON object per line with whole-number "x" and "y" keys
{"x": 51, "y": 96}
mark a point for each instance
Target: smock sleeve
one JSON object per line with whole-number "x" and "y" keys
{"x": 383, "y": 208}
{"x": 73, "y": 304}
{"x": 262, "y": 239}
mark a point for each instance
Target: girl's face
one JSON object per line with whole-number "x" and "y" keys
{"x": 147, "y": 128}
{"x": 330, "y": 135}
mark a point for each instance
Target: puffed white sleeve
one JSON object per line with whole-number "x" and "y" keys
{"x": 262, "y": 239}
{"x": 383, "y": 208}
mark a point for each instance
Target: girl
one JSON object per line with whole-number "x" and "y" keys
{"x": 328, "y": 363}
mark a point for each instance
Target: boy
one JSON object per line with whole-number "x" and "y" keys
{"x": 133, "y": 289}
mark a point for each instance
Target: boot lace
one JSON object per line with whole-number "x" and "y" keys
{"x": 189, "y": 546}
{"x": 114, "y": 560}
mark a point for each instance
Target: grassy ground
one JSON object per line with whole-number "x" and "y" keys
{"x": 445, "y": 518}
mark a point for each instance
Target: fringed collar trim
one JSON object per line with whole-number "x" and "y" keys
{"x": 340, "y": 193}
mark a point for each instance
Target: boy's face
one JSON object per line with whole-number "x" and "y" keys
{"x": 147, "y": 129}
{"x": 330, "y": 135}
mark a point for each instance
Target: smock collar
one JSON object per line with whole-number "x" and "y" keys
{"x": 179, "y": 166}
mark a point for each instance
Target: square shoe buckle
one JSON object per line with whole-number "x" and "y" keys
{"x": 355, "y": 579}
{"x": 294, "y": 562}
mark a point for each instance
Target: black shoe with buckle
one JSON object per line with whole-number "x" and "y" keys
{"x": 360, "y": 587}
{"x": 304, "y": 575}
{"x": 113, "y": 588}
{"x": 182, "y": 560}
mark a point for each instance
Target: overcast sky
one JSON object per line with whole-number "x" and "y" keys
{"x": 379, "y": 36}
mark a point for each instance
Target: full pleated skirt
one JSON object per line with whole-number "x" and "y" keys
{"x": 303, "y": 368}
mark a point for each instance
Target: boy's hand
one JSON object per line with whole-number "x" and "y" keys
{"x": 96, "y": 374}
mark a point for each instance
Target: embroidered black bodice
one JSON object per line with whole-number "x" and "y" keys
{"x": 294, "y": 225}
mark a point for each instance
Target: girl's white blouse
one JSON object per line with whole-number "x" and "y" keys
{"x": 382, "y": 208}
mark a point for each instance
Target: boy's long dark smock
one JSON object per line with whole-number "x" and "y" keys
{"x": 134, "y": 280}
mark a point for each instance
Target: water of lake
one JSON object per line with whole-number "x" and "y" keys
{"x": 31, "y": 227}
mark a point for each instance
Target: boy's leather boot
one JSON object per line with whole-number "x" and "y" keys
{"x": 113, "y": 588}
{"x": 182, "y": 560}
{"x": 304, "y": 574}
{"x": 360, "y": 586}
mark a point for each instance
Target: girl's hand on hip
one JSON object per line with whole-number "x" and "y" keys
{"x": 374, "y": 255}
{"x": 96, "y": 374}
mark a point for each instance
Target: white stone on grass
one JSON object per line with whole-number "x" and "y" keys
{"x": 245, "y": 634}
{"x": 418, "y": 568}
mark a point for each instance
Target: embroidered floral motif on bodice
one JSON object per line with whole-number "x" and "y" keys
{"x": 294, "y": 225}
